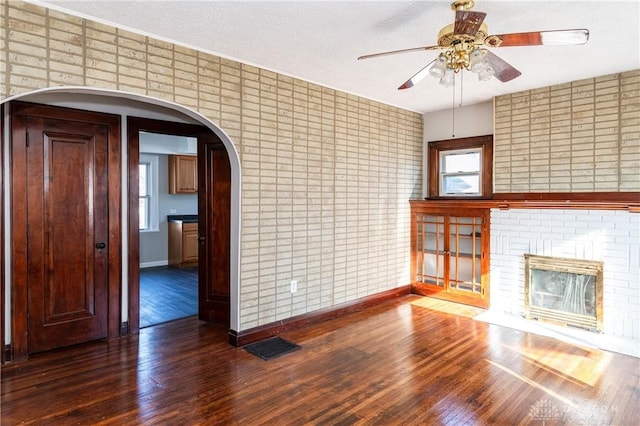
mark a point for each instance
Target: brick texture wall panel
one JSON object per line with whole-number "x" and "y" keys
{"x": 582, "y": 135}
{"x": 326, "y": 175}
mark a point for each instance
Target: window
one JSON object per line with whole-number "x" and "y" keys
{"x": 461, "y": 172}
{"x": 461, "y": 168}
{"x": 148, "y": 193}
{"x": 145, "y": 195}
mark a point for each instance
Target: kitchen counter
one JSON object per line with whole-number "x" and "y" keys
{"x": 183, "y": 240}
{"x": 183, "y": 218}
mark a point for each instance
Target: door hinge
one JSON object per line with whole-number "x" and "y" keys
{"x": 27, "y": 139}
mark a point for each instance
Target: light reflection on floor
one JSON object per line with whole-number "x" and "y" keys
{"x": 583, "y": 366}
{"x": 448, "y": 307}
{"x": 574, "y": 336}
{"x": 570, "y": 335}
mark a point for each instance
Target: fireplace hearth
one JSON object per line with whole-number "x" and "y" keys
{"x": 564, "y": 291}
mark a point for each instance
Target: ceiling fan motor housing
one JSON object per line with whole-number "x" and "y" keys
{"x": 447, "y": 38}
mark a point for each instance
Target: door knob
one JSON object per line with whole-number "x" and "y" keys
{"x": 100, "y": 245}
{"x": 201, "y": 238}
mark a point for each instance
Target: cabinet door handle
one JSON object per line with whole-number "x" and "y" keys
{"x": 100, "y": 245}
{"x": 201, "y": 238}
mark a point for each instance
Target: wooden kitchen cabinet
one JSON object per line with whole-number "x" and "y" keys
{"x": 183, "y": 244}
{"x": 183, "y": 174}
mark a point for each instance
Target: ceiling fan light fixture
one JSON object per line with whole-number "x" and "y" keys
{"x": 447, "y": 79}
{"x": 462, "y": 57}
{"x": 439, "y": 67}
{"x": 479, "y": 64}
{"x": 477, "y": 60}
{"x": 486, "y": 73}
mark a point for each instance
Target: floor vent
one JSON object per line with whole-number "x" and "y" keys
{"x": 271, "y": 348}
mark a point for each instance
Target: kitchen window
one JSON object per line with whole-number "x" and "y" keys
{"x": 148, "y": 193}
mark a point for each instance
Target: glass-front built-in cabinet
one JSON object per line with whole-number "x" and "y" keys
{"x": 449, "y": 253}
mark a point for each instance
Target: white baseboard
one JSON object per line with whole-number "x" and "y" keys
{"x": 153, "y": 264}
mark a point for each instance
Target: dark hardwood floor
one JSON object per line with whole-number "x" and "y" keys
{"x": 410, "y": 361}
{"x": 167, "y": 293}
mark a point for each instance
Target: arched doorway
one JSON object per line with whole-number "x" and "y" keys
{"x": 131, "y": 104}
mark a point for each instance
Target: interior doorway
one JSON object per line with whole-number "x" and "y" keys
{"x": 168, "y": 223}
{"x": 211, "y": 234}
{"x": 122, "y": 299}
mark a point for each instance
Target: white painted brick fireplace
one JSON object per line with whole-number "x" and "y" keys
{"x": 612, "y": 237}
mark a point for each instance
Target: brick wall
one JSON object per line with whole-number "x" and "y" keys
{"x": 326, "y": 176}
{"x": 582, "y": 136}
{"x": 612, "y": 237}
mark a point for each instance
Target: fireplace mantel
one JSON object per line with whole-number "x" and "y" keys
{"x": 629, "y": 201}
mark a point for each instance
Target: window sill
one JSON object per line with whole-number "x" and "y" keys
{"x": 459, "y": 197}
{"x": 149, "y": 231}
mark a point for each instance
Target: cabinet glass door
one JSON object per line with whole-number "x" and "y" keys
{"x": 465, "y": 252}
{"x": 449, "y": 255}
{"x": 430, "y": 268}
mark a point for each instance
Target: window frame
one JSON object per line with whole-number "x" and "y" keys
{"x": 435, "y": 151}
{"x": 152, "y": 162}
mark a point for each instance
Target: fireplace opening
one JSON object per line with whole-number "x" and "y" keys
{"x": 564, "y": 291}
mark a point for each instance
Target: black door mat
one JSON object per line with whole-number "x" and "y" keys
{"x": 271, "y": 348}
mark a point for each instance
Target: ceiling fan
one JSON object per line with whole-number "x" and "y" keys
{"x": 463, "y": 45}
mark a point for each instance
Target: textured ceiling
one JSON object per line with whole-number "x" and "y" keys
{"x": 319, "y": 41}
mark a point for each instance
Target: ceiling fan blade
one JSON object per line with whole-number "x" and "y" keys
{"x": 547, "y": 38}
{"x": 503, "y": 70}
{"x": 415, "y": 79}
{"x": 394, "y": 52}
{"x": 468, "y": 22}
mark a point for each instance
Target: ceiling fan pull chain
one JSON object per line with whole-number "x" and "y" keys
{"x": 461, "y": 88}
{"x": 453, "y": 109}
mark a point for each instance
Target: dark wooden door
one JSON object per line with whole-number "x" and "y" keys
{"x": 214, "y": 216}
{"x": 67, "y": 232}
{"x": 3, "y": 310}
